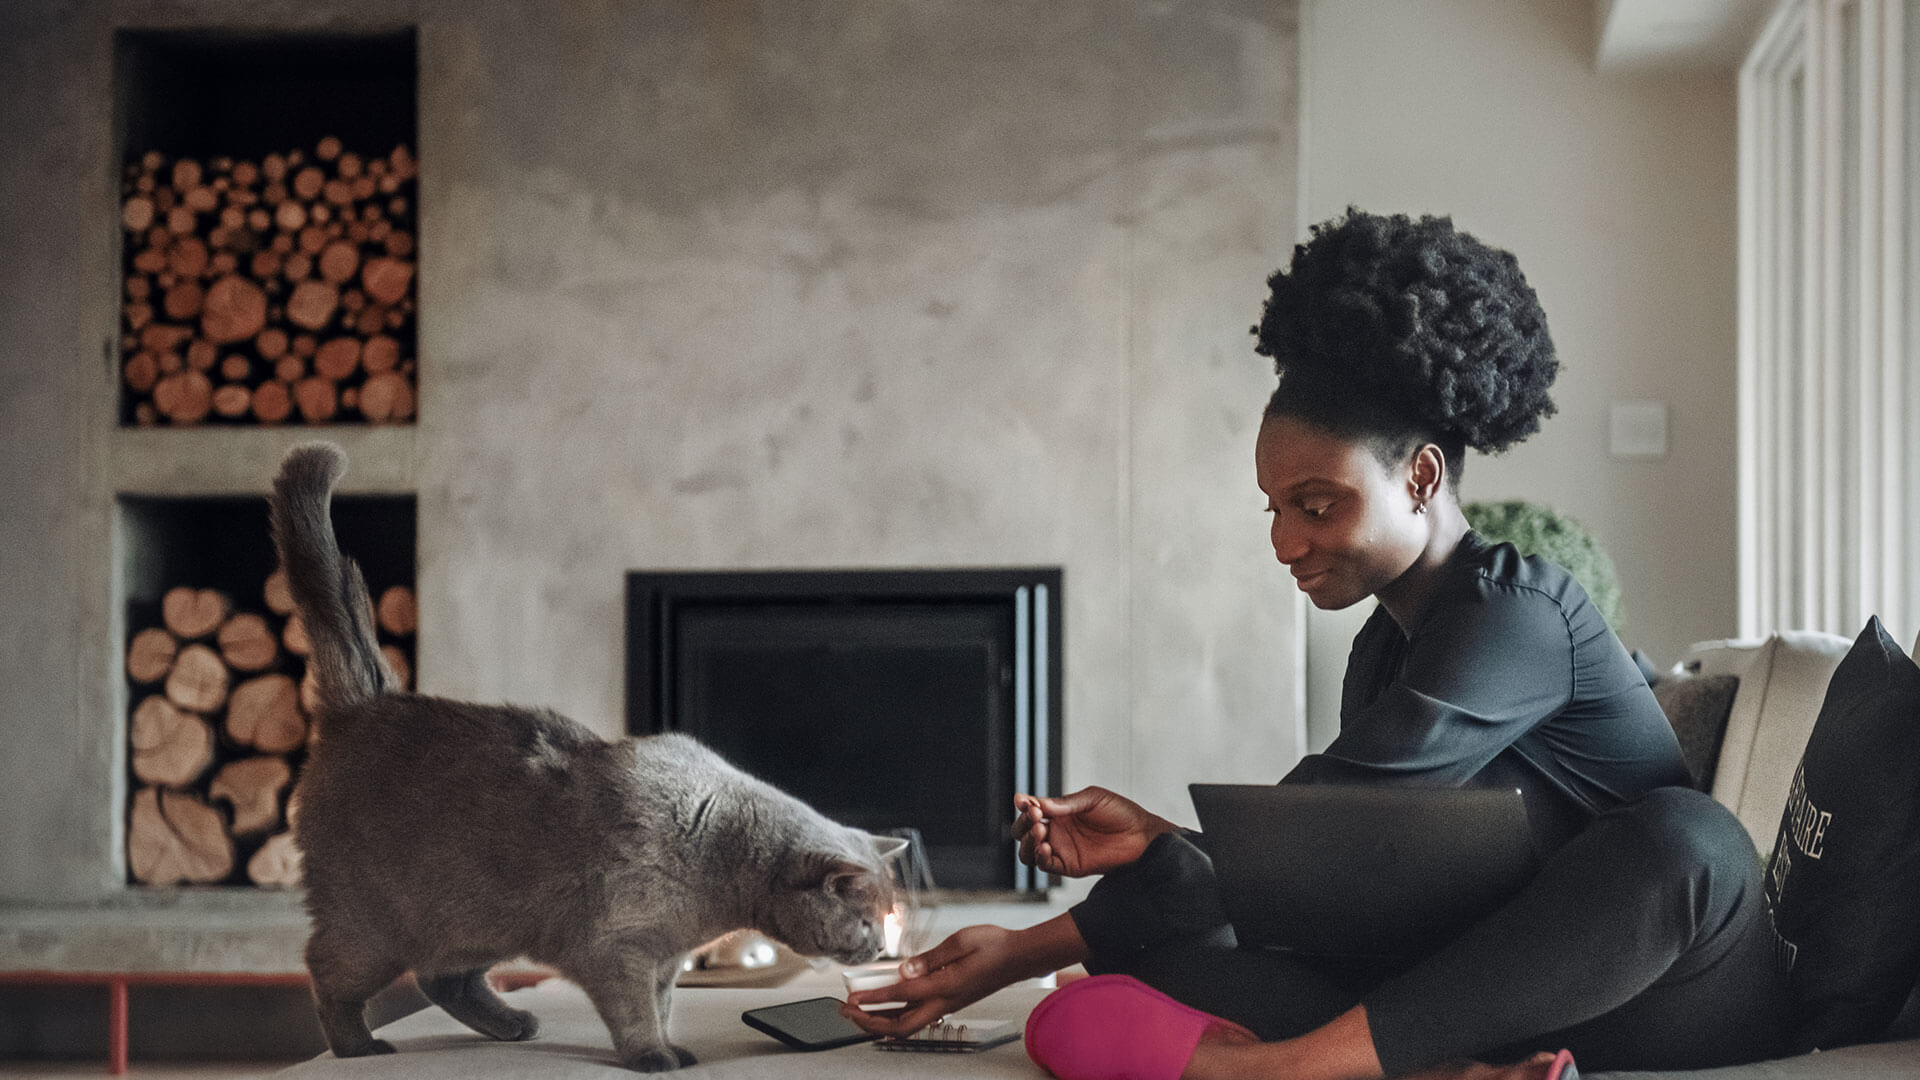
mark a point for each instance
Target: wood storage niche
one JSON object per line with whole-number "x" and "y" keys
{"x": 269, "y": 228}
{"x": 217, "y": 709}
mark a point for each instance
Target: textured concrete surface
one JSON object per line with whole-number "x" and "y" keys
{"x": 158, "y": 930}
{"x": 721, "y": 285}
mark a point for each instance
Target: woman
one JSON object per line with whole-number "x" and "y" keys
{"x": 1642, "y": 943}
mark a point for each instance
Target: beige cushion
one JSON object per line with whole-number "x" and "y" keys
{"x": 1783, "y": 680}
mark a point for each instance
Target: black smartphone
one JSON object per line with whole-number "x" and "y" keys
{"x": 814, "y": 1024}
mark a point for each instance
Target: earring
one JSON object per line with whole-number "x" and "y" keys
{"x": 1419, "y": 508}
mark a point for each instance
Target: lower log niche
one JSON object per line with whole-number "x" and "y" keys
{"x": 218, "y": 702}
{"x": 219, "y": 729}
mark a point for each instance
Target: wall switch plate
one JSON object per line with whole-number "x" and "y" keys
{"x": 1637, "y": 429}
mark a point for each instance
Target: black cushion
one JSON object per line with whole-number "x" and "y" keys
{"x": 1843, "y": 885}
{"x": 1697, "y": 706}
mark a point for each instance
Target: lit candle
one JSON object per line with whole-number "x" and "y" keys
{"x": 890, "y": 928}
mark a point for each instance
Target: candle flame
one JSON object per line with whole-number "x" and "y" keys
{"x": 891, "y": 930}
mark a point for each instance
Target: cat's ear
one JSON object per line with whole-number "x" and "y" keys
{"x": 887, "y": 847}
{"x": 821, "y": 870}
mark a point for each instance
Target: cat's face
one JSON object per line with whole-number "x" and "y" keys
{"x": 830, "y": 905}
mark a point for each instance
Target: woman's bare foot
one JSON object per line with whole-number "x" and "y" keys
{"x": 1231, "y": 1054}
{"x": 1221, "y": 1053}
{"x": 1340, "y": 1050}
{"x": 1534, "y": 1068}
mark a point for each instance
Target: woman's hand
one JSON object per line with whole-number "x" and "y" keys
{"x": 974, "y": 962}
{"x": 1091, "y": 831}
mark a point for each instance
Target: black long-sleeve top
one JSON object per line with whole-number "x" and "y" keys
{"x": 1508, "y": 676}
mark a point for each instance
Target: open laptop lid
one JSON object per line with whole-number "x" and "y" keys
{"x": 1339, "y": 870}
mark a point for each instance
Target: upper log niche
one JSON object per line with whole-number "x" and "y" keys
{"x": 268, "y": 226}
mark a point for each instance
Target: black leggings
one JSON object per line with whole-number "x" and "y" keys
{"x": 1643, "y": 943}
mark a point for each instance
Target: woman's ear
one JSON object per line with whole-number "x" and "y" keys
{"x": 1426, "y": 476}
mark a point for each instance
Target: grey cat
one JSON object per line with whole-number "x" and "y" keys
{"x": 442, "y": 837}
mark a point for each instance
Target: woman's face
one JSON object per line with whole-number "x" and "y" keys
{"x": 1343, "y": 522}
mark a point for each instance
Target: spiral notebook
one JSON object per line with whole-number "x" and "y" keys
{"x": 955, "y": 1035}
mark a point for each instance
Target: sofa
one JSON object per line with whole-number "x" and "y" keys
{"x": 1744, "y": 709}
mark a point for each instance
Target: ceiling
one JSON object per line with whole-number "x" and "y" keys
{"x": 1675, "y": 34}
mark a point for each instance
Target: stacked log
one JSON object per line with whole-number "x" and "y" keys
{"x": 253, "y": 787}
{"x": 260, "y": 292}
{"x": 398, "y": 616}
{"x": 219, "y": 729}
{"x": 175, "y": 837}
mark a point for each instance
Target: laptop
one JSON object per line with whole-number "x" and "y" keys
{"x": 1353, "y": 871}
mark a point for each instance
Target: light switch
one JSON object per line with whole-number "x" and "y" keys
{"x": 1637, "y": 429}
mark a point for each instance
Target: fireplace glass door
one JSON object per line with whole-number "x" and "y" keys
{"x": 884, "y": 699}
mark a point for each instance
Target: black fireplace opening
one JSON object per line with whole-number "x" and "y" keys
{"x": 886, "y": 699}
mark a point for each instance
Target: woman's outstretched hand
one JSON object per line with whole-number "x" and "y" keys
{"x": 974, "y": 962}
{"x": 1092, "y": 831}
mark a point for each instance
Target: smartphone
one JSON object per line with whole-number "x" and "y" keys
{"x": 814, "y": 1024}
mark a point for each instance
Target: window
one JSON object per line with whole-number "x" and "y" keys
{"x": 1828, "y": 505}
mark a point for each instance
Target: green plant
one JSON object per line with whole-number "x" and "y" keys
{"x": 1543, "y": 531}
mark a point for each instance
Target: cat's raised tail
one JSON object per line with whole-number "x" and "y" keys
{"x": 328, "y": 590}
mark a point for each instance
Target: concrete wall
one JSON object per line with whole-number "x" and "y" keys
{"x": 723, "y": 285}
{"x": 1617, "y": 193}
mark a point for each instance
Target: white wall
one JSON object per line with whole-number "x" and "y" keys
{"x": 1617, "y": 194}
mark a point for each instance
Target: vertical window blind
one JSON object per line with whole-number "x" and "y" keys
{"x": 1828, "y": 502}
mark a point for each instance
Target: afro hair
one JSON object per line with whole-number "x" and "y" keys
{"x": 1390, "y": 325}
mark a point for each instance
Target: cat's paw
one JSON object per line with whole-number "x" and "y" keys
{"x": 685, "y": 1055}
{"x": 371, "y": 1046}
{"x": 665, "y": 1059}
{"x": 520, "y": 1026}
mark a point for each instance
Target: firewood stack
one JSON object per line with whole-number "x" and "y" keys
{"x": 220, "y": 727}
{"x": 258, "y": 292}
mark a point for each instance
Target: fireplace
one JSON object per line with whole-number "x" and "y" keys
{"x": 884, "y": 698}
